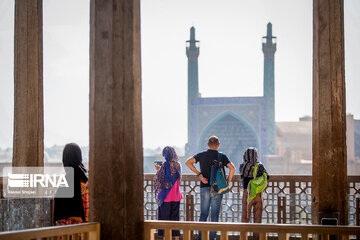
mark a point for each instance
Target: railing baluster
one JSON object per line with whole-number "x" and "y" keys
{"x": 292, "y": 191}
{"x": 189, "y": 206}
{"x": 204, "y": 235}
{"x": 325, "y": 236}
{"x": 279, "y": 209}
{"x": 263, "y": 236}
{"x": 357, "y": 217}
{"x": 304, "y": 236}
{"x": 243, "y": 235}
{"x": 283, "y": 236}
{"x": 283, "y": 207}
{"x": 95, "y": 235}
{"x": 187, "y": 234}
{"x": 148, "y": 233}
{"x": 224, "y": 235}
{"x": 357, "y": 214}
{"x": 168, "y": 234}
{"x": 85, "y": 236}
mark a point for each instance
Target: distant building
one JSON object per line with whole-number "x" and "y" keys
{"x": 239, "y": 122}
{"x": 294, "y": 147}
{"x": 152, "y": 155}
{"x": 357, "y": 138}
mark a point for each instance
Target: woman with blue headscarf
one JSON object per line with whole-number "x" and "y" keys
{"x": 167, "y": 188}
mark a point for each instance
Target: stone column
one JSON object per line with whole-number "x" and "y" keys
{"x": 329, "y": 186}
{"x": 28, "y": 143}
{"x": 116, "y": 159}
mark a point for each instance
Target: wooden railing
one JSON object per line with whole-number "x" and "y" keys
{"x": 281, "y": 230}
{"x": 287, "y": 199}
{"x": 83, "y": 231}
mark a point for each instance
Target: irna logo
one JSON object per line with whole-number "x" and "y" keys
{"x": 37, "y": 180}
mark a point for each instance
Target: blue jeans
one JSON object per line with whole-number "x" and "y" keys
{"x": 209, "y": 200}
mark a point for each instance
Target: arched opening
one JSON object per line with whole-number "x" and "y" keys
{"x": 235, "y": 136}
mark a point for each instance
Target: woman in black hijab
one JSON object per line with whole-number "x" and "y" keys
{"x": 73, "y": 210}
{"x": 250, "y": 160}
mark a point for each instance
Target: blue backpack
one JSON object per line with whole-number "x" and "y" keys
{"x": 218, "y": 180}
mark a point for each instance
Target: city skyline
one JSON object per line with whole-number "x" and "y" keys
{"x": 230, "y": 53}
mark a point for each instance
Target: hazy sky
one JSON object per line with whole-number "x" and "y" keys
{"x": 230, "y": 62}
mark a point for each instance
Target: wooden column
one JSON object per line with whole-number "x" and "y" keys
{"x": 329, "y": 186}
{"x": 28, "y": 142}
{"x": 116, "y": 159}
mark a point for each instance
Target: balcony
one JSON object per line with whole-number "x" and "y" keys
{"x": 287, "y": 199}
{"x": 287, "y": 203}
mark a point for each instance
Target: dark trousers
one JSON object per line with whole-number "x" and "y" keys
{"x": 169, "y": 211}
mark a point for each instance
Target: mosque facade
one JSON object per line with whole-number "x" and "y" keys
{"x": 239, "y": 122}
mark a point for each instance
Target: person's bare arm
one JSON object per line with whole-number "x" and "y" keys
{"x": 231, "y": 167}
{"x": 190, "y": 164}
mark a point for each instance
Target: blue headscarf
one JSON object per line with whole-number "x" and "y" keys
{"x": 167, "y": 175}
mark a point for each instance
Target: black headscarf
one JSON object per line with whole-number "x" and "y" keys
{"x": 250, "y": 159}
{"x": 72, "y": 207}
{"x": 72, "y": 158}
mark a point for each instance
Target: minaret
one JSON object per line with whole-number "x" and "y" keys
{"x": 269, "y": 48}
{"x": 192, "y": 52}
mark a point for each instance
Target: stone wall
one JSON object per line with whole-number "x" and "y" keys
{"x": 17, "y": 214}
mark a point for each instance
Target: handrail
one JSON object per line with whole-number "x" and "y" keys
{"x": 88, "y": 231}
{"x": 252, "y": 227}
{"x": 281, "y": 229}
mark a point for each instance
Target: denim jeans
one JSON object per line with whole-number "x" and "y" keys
{"x": 209, "y": 200}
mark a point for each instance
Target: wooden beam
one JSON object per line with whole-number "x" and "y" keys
{"x": 116, "y": 159}
{"x": 28, "y": 142}
{"x": 329, "y": 186}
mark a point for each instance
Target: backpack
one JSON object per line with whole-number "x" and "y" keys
{"x": 218, "y": 180}
{"x": 257, "y": 184}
